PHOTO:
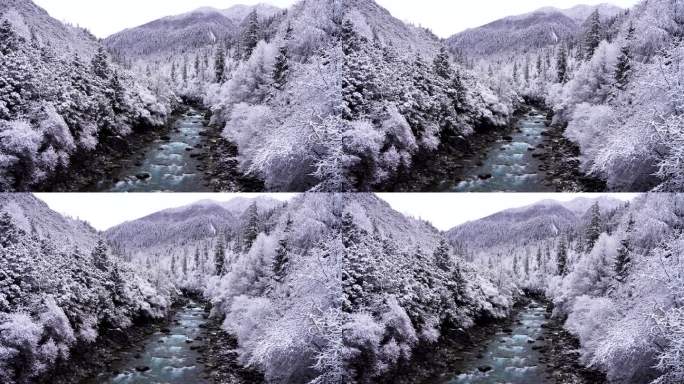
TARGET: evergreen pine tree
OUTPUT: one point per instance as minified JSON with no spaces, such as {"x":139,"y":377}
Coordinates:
{"x":173,"y":72}
{"x":623,"y":259}
{"x":220,"y":258}
{"x":10,"y":41}
{"x":441,"y":64}
{"x":562,"y":65}
{"x":252,"y":34}
{"x":281,"y":260}
{"x":562,"y":257}
{"x":281,"y":69}
{"x":100,"y":257}
{"x":623,"y":68}
{"x":9,"y":232}
{"x":515,"y":72}
{"x":100,"y":64}
{"x":173,"y":265}
{"x":443,"y":256}
{"x":593,"y":35}
{"x":516,"y":270}
{"x":526,"y":264}
{"x":184,"y":264}
{"x":220,"y":64}
{"x":252,"y":229}
{"x":594,"y":229}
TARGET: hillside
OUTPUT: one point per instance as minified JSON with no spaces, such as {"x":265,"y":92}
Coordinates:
{"x":33,"y":216}
{"x":528,"y":225}
{"x":31,"y":21}
{"x":528,"y":32}
{"x":184,"y":33}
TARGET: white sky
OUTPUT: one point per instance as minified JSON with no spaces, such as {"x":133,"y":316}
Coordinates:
{"x":444,"y":210}
{"x":444,"y":17}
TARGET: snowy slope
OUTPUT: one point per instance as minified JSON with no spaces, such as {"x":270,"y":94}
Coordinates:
{"x":582,"y":12}
{"x":375,"y":22}
{"x":180,"y":33}
{"x":181,"y":226}
{"x":32,"y":214}
{"x":541,"y":221}
{"x":28,"y":18}
{"x":527,"y":32}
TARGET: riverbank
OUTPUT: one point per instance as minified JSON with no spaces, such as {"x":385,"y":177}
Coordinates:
{"x":87,"y":170}
{"x":221,"y":166}
{"x":115,"y":350}
{"x":455,"y":352}
{"x":553,"y":159}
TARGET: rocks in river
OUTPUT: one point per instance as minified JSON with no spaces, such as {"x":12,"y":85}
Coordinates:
{"x":143,"y":176}
{"x":165,"y":138}
{"x":507,"y":330}
{"x":486,"y":176}
{"x":484,"y":368}
{"x":165,"y":330}
{"x":142,"y":368}
{"x":508,"y":138}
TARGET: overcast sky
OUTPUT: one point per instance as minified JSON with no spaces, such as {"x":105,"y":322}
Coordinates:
{"x":444,"y":210}
{"x":444,"y":17}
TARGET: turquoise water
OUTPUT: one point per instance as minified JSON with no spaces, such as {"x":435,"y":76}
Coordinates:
{"x":510,"y":166}
{"x":167,"y":358}
{"x":510,"y":357}
{"x":169,"y":165}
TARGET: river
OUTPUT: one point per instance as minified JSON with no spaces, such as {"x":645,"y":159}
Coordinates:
{"x":511,"y":164}
{"x":170,"y":356}
{"x":169,"y":164}
{"x":512,"y":355}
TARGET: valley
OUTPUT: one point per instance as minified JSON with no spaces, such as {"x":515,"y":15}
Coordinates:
{"x":342,"y":288}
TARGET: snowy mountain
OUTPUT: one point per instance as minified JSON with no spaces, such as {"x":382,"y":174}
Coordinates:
{"x":200,"y":28}
{"x":175,"y":33}
{"x":527,"y":32}
{"x":582,"y":12}
{"x":239,"y":12}
{"x":519,"y":226}
{"x":34,"y":216}
{"x":30,"y":20}
{"x":185,"y":225}
{"x":376,"y":23}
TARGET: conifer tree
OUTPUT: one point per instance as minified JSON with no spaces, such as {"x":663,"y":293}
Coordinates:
{"x":220,"y":258}
{"x":441,"y":64}
{"x":252,"y":34}
{"x":100,"y":257}
{"x":281,"y":261}
{"x":252,"y":229}
{"x":562,"y":65}
{"x":623,"y":259}
{"x":443,"y":256}
{"x":281,"y":69}
{"x":623,"y":68}
{"x":220,"y":64}
{"x":593,"y":35}
{"x":10,"y":41}
{"x":562,"y":257}
{"x":100,"y":64}
{"x":594,"y":229}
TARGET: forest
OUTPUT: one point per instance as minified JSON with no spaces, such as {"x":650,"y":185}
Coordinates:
{"x":332,"y":288}
{"x":341,"y":96}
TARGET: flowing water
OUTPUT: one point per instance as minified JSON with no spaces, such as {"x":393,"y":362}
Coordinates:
{"x":510,"y":165}
{"x":169,"y":357}
{"x":169,"y":164}
{"x":511,"y":357}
